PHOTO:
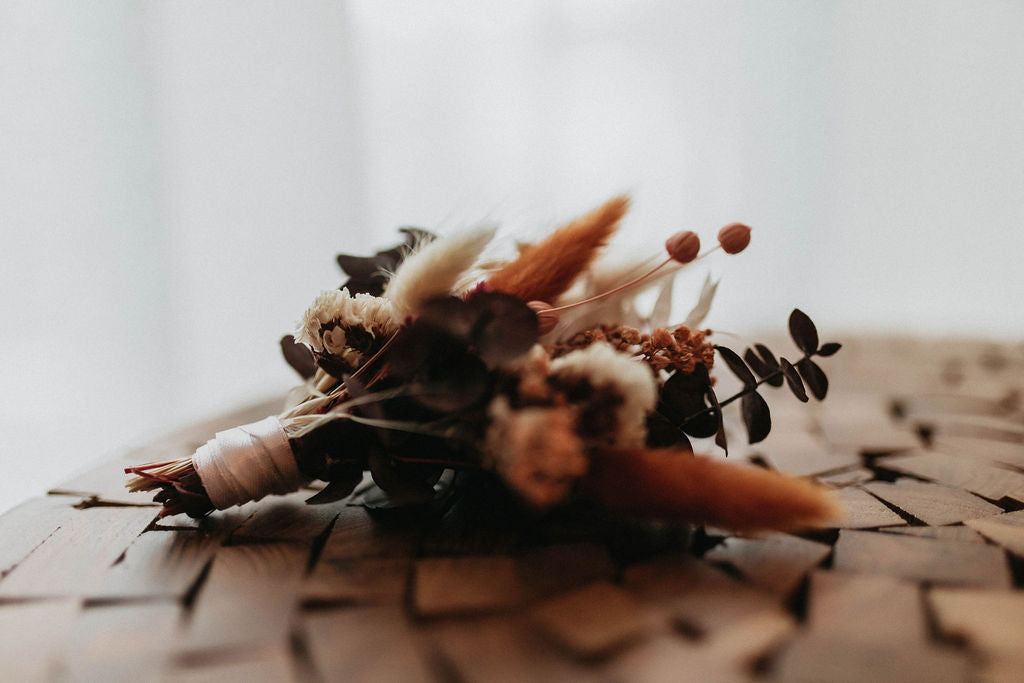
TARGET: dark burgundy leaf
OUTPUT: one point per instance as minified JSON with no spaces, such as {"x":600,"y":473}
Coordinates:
{"x":506,"y":327}
{"x":829,"y":349}
{"x":738,"y":367}
{"x":720,"y":429}
{"x":662,"y":433}
{"x":402,"y":490}
{"x":803,"y":331}
{"x":768,"y":356}
{"x":756,"y":416}
{"x":368,"y":274}
{"x":814,"y":376}
{"x":755,"y":363}
{"x":298,"y":356}
{"x":337,"y":488}
{"x":682,"y":396}
{"x":796,"y":385}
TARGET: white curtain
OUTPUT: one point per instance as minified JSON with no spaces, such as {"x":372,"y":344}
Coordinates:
{"x":177,"y":176}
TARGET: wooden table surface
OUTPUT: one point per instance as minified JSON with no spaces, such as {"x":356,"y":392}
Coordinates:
{"x":923,"y":442}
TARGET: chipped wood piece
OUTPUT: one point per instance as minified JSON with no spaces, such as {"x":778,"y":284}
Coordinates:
{"x":359,"y":580}
{"x":1007,"y":530}
{"x":249,"y":596}
{"x":803,"y":454}
{"x":974,"y":475}
{"x":740,"y":644}
{"x":356,"y":534}
{"x":593,"y":620}
{"x":465,"y":585}
{"x":123,"y":641}
{"x":866,"y":608}
{"x":270,"y":664}
{"x":158,"y":564}
{"x":546,"y":570}
{"x":25,"y":527}
{"x":813,"y":658}
{"x":942,"y":533}
{"x":34,"y":637}
{"x":503,"y":649}
{"x":777,"y":562}
{"x":849,"y":477}
{"x":990,"y":620}
{"x":933,"y":504}
{"x":921,"y":559}
{"x":864,"y":511}
{"x":287,"y":518}
{"x":75,"y":557}
{"x":365,"y":644}
{"x":991,"y":450}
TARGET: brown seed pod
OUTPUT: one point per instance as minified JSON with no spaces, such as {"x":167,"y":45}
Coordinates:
{"x":734,"y":238}
{"x":683,"y":246}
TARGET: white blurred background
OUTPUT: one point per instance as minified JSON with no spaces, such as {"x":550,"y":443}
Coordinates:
{"x":176,"y":177}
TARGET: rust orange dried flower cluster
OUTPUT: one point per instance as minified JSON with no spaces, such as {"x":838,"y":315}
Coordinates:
{"x":663,"y":349}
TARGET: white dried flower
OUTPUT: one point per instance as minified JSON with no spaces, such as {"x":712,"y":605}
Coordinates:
{"x":535,"y":450}
{"x":607,"y":369}
{"x":373,"y":313}
{"x":334,"y":340}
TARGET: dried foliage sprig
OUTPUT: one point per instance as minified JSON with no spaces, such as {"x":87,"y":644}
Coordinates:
{"x":412,"y":377}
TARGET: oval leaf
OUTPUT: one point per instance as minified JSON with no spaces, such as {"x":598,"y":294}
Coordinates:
{"x":772,"y":363}
{"x":796,"y":385}
{"x":756,"y":416}
{"x":738,"y":367}
{"x":298,"y":356}
{"x":814,"y":376}
{"x":829,"y":348}
{"x":803,"y":331}
{"x":720,"y":431}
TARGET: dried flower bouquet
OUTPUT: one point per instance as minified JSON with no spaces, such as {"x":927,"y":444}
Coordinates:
{"x":430,"y":364}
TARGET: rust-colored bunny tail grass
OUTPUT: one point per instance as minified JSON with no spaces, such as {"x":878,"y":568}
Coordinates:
{"x":545,"y":270}
{"x":674,"y":485}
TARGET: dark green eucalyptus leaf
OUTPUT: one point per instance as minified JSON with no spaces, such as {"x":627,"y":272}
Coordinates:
{"x":803,"y":331}
{"x":756,"y":416}
{"x":814,"y":377}
{"x":738,"y":367}
{"x":796,"y":385}
{"x":829,"y":349}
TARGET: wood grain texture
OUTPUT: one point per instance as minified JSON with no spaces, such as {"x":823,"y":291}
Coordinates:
{"x":990,"y":481}
{"x":922,"y":559}
{"x":1006,"y":530}
{"x":25,"y":527}
{"x":778,"y":562}
{"x":931,"y":503}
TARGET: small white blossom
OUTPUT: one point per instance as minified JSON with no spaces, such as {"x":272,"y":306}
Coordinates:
{"x":372,"y":313}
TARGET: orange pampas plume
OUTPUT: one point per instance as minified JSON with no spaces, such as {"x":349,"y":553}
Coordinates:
{"x":674,"y":485}
{"x":545,"y":270}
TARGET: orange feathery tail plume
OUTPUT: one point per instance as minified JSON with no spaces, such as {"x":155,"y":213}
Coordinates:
{"x":673,"y":485}
{"x":545,"y":270}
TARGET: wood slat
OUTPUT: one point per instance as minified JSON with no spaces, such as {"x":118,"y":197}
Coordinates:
{"x":359,"y":580}
{"x":864,"y":511}
{"x":593,"y":620}
{"x":973,"y":475}
{"x":365,"y":644}
{"x":921,"y":559}
{"x":34,"y":638}
{"x":803,"y":454}
{"x":466,"y":585}
{"x":942,"y":533}
{"x":1006,"y":530}
{"x":866,"y":608}
{"x":25,"y":527}
{"x":249,"y":597}
{"x":813,"y":659}
{"x":158,"y":564}
{"x":287,"y":518}
{"x":932,"y":503}
{"x":991,"y":621}
{"x":778,"y":562}
{"x":73,"y":560}
{"x":127,"y":641}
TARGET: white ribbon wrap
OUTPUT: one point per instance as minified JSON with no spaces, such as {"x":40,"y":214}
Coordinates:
{"x":247,"y":463}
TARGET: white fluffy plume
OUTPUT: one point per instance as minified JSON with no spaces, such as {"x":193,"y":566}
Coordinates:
{"x":435,"y":269}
